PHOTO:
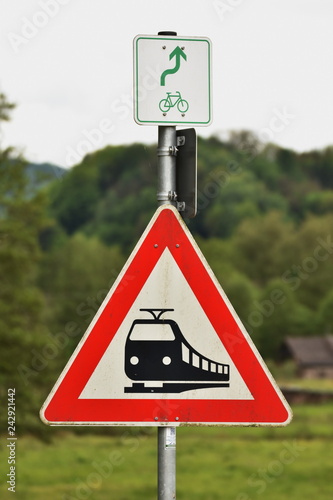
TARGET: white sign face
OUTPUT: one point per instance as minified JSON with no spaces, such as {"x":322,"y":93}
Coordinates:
{"x":172,"y":80}
{"x":109,"y":380}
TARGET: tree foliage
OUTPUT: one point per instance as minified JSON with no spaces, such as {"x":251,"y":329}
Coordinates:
{"x":264,"y":224}
{"x":22,"y":330}
{"x":262,"y":212}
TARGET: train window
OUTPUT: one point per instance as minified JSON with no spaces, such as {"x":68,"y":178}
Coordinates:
{"x":204,"y":364}
{"x":185,"y":353}
{"x":195,"y":360}
{"x":213,"y":367}
{"x":152,"y":331}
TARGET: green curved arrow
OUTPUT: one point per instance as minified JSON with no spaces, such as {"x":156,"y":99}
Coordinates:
{"x":177,"y":53}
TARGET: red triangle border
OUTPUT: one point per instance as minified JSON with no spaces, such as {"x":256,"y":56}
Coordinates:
{"x":166,"y":230}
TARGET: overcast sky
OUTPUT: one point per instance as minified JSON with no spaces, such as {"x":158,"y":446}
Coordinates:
{"x":68,"y":66}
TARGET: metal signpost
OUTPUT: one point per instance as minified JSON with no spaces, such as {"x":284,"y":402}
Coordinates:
{"x":161,"y":352}
{"x":175,"y":108}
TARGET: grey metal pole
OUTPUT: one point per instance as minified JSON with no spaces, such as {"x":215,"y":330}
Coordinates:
{"x":166,"y":463}
{"x":166,"y":167}
{"x":166,"y":194}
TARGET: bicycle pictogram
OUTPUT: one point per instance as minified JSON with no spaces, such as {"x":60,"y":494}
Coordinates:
{"x":173,"y":100}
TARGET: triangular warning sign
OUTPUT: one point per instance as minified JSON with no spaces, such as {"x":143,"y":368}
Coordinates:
{"x":166,"y":347}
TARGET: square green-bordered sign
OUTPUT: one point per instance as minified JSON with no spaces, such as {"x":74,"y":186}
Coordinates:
{"x":172,"y":80}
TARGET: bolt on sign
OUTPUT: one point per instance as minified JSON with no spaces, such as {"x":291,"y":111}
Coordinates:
{"x":172,"y":80}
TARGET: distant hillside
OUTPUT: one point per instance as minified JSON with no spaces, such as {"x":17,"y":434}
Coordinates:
{"x":112,"y":193}
{"x":40,"y":174}
{"x":264,"y":224}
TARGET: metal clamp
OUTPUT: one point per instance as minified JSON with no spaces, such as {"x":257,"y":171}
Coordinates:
{"x":172,"y":195}
{"x":167,"y":196}
{"x":167,"y":151}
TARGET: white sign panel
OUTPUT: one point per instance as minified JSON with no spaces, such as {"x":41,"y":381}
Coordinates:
{"x":172,"y":80}
{"x":109,"y":380}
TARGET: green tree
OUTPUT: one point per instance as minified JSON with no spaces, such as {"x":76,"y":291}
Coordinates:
{"x":273,"y":317}
{"x":311,"y":272}
{"x":319,"y":166}
{"x":74,"y":198}
{"x":75,"y":278}
{"x":5,"y":108}
{"x":22,"y":218}
{"x":319,"y":202}
{"x":325,"y":314}
{"x":101,"y":195}
{"x":263,"y":247}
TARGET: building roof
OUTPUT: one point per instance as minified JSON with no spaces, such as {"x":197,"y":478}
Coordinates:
{"x":310,"y":351}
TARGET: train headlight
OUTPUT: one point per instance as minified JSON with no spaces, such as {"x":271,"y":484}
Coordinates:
{"x":166,"y":360}
{"x":134,"y":360}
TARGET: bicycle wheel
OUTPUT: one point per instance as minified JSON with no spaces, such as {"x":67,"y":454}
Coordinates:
{"x":182,"y":106}
{"x":164,"y":105}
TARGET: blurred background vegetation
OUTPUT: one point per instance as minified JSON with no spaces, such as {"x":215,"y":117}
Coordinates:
{"x":265,"y":216}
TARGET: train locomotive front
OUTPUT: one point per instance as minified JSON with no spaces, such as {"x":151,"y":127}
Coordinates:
{"x":156,"y":350}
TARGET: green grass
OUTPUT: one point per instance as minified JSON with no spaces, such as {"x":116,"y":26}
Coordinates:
{"x":215,"y":463}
